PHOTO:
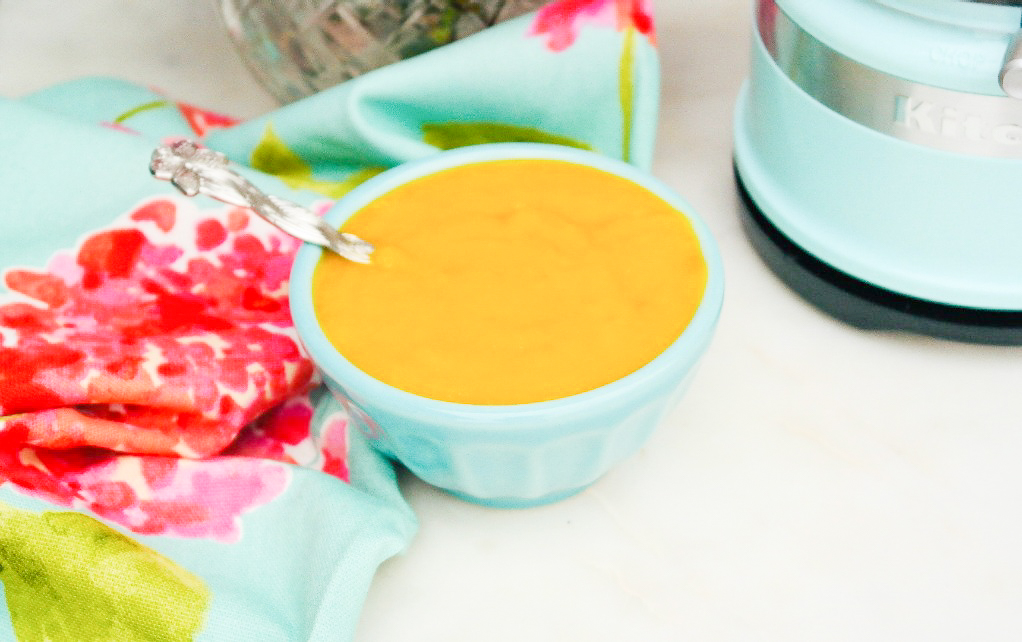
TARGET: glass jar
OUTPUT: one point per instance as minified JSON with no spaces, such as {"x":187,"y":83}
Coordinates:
{"x":298,"y":47}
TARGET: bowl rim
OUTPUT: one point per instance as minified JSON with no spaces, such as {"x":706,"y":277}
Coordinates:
{"x":682,"y":354}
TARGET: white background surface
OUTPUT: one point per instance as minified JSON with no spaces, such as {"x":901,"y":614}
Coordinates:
{"x":818,"y":482}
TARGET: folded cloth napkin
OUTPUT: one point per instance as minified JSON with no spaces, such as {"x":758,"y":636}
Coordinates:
{"x":170,"y":467}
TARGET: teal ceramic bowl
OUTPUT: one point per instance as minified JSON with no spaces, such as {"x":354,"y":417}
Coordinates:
{"x":510,"y":455}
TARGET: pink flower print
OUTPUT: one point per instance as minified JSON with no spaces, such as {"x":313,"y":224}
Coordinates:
{"x":168,"y":496}
{"x":335,"y":448}
{"x":153,"y":375}
{"x":124,"y":129}
{"x":162,"y":348}
{"x":284,"y":435}
{"x":149,"y":495}
{"x":560,"y":21}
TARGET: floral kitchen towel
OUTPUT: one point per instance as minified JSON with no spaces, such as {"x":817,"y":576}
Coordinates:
{"x":170,"y":467}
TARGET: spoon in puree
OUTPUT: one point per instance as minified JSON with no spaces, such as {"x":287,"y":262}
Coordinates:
{"x":197,"y":170}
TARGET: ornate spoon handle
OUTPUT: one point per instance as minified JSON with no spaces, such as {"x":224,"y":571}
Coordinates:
{"x":196,"y":170}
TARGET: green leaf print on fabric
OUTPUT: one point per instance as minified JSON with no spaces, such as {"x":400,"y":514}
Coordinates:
{"x":273,"y":156}
{"x":452,"y":135}
{"x":155,"y":104}
{"x":560,"y":23}
{"x":626,"y":93}
{"x":69,"y":577}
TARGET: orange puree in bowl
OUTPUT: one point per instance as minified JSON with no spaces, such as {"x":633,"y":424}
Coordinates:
{"x":511,"y":281}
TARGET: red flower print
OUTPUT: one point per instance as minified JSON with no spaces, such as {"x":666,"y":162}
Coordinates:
{"x":203,"y":120}
{"x":284,"y":435}
{"x":199,"y":120}
{"x":172,"y":340}
{"x":164,"y":337}
{"x":560,"y":20}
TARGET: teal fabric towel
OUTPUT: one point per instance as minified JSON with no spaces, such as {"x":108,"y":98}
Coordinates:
{"x":170,"y":466}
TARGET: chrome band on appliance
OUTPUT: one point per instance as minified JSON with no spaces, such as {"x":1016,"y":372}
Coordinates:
{"x":954,"y":121}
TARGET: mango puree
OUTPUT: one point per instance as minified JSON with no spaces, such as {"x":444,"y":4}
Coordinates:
{"x":508,"y":282}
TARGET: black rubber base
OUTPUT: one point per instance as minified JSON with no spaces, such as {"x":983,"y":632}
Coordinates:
{"x":867,"y":306}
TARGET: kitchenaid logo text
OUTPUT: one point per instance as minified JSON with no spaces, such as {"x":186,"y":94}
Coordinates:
{"x":953,"y":123}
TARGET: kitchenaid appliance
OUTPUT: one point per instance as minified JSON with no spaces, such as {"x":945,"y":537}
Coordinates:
{"x":878,"y":146}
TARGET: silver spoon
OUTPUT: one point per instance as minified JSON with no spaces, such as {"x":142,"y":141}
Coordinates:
{"x":197,"y":170}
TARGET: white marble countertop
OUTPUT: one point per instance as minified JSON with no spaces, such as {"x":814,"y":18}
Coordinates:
{"x":817,"y":483}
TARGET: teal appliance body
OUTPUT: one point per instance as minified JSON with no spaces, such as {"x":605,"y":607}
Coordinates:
{"x":878,"y":147}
